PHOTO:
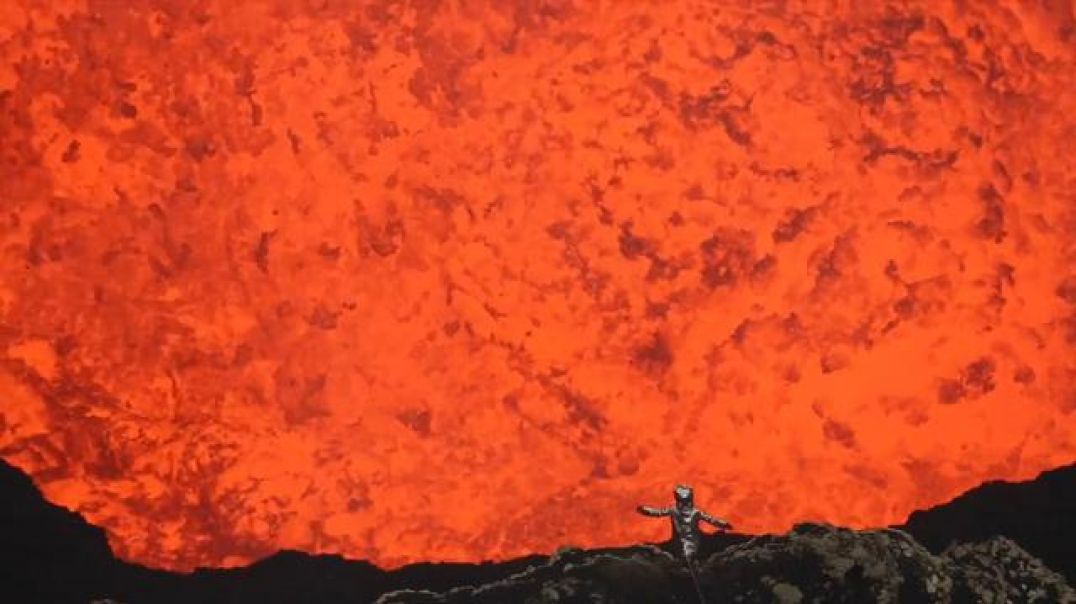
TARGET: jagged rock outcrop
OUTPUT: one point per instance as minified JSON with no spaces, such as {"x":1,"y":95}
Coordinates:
{"x":48,"y":551}
{"x":1037,"y":514}
{"x":813,"y":563}
{"x":49,"y":554}
{"x":999,"y":570}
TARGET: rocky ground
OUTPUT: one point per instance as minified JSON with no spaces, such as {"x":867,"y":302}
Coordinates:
{"x":812,"y":563}
{"x":49,"y":554}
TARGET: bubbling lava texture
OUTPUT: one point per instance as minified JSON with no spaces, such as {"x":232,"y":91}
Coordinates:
{"x":457,"y":280}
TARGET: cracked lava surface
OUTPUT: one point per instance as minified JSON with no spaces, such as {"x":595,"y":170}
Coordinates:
{"x":434,"y":280}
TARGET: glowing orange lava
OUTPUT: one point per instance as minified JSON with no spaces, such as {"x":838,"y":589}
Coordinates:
{"x":469,"y":279}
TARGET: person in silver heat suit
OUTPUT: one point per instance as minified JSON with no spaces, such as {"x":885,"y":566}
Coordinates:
{"x":685,"y":521}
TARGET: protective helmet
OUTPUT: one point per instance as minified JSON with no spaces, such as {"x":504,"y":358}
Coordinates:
{"x":683,"y":493}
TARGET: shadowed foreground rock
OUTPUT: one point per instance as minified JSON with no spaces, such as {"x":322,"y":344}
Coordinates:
{"x":49,"y":554}
{"x":1039,"y":515}
{"x":813,"y":563}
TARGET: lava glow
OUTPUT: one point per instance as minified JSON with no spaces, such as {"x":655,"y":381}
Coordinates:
{"x":455,"y":280}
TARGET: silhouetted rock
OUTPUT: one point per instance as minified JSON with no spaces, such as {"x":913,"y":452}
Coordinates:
{"x":46,"y":550}
{"x":49,"y":554}
{"x":1039,"y":515}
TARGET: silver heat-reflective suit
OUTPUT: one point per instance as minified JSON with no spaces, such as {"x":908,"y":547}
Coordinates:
{"x":685,"y":519}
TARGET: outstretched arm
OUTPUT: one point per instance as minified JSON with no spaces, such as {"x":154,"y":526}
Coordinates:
{"x":719,"y":523}
{"x":649,"y":511}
